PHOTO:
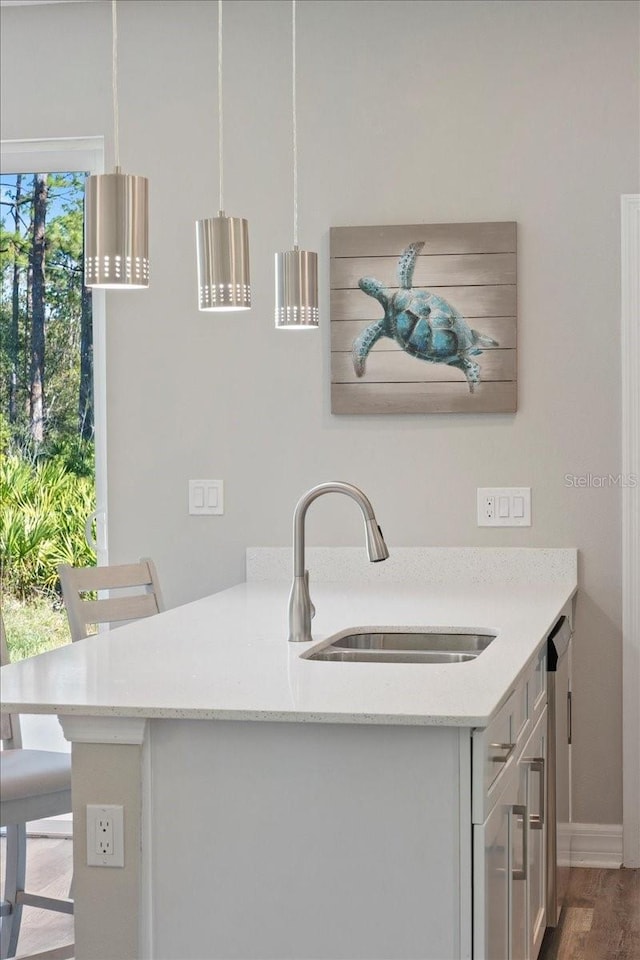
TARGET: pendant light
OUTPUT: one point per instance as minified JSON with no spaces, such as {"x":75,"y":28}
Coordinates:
{"x":116,"y":222}
{"x":296,"y":270}
{"x":222,"y":242}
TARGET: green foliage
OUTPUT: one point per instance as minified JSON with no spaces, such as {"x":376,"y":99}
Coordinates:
{"x":76,"y":454}
{"x":63,"y":306}
{"x":46,"y":488}
{"x":45,"y":506}
{"x":34,"y":627}
{"x":5,"y":435}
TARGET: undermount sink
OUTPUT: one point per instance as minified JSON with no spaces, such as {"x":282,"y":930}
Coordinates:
{"x":415,"y":640}
{"x":403,"y":646}
{"x":390,"y":656}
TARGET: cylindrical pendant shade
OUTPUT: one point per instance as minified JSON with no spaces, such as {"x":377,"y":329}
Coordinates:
{"x":223,"y":263}
{"x":116,"y":231}
{"x":297,"y":290}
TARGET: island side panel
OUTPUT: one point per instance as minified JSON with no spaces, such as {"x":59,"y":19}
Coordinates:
{"x":298,"y":841}
{"x":107,"y":900}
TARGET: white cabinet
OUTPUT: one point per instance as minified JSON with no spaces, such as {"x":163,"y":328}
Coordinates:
{"x":562,"y":808}
{"x":519,"y":867}
{"x":491,"y":883}
{"x":534,"y":757}
{"x":509,"y":769}
{"x":500,"y":874}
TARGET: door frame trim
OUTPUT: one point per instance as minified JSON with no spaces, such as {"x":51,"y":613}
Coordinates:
{"x":630,"y":347}
{"x":58,"y":156}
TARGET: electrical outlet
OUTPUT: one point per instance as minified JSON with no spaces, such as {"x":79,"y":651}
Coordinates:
{"x":105,"y":835}
{"x":504,"y":506}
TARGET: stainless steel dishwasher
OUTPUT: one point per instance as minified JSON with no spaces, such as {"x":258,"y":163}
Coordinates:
{"x":558,"y":766}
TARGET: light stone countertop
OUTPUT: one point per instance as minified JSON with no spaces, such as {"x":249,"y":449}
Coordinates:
{"x":227,"y":656}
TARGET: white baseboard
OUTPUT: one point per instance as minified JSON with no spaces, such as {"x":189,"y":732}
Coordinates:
{"x":591,"y":844}
{"x":596,"y":845}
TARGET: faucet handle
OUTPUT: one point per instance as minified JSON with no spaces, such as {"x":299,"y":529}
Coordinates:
{"x":311,"y":606}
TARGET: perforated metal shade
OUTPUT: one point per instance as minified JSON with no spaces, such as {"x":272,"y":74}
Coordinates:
{"x":297,"y":290}
{"x":223,"y":263}
{"x":116,"y":231}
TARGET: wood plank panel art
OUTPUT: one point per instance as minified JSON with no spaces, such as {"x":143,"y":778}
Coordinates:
{"x":476,"y":301}
{"x":501,"y":329}
{"x":422,"y":398}
{"x":430,"y":271}
{"x":394,"y":366}
{"x":443,"y":238}
{"x":423,"y":319}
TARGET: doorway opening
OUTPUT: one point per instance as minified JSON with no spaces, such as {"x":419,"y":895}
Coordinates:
{"x":52,"y":374}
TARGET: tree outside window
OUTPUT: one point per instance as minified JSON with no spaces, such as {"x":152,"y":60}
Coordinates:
{"x":46,"y":401}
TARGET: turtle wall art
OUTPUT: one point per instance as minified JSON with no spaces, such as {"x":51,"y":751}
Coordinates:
{"x":423,"y":318}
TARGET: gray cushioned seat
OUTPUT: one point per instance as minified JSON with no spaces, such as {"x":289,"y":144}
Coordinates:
{"x":35,"y":780}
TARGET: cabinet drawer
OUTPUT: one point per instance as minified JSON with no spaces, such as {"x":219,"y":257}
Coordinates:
{"x":493,"y":753}
{"x":496,"y":747}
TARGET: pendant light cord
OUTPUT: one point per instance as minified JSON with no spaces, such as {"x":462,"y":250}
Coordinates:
{"x":114,"y":84}
{"x":221,"y":206}
{"x":294,"y":126}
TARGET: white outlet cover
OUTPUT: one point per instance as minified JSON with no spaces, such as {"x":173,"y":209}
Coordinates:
{"x":115,"y":814}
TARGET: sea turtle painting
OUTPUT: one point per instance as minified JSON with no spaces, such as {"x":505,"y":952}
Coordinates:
{"x":424,"y":325}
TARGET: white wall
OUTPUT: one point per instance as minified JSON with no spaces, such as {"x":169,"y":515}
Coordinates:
{"x":408,"y":112}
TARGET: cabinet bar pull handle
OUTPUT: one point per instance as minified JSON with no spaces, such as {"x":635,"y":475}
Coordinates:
{"x":520,"y":810}
{"x":536,"y":765}
{"x":569,"y":717}
{"x":509,"y":747}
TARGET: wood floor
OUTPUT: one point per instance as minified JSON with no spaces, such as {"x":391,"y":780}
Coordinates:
{"x":600,"y":920}
{"x":49,"y":870}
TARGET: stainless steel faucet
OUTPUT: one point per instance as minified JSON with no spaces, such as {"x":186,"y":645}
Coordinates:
{"x":301,"y":610}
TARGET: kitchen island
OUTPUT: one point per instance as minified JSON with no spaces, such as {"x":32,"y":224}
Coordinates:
{"x":280,"y":807}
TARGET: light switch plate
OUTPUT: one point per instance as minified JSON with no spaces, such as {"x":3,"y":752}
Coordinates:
{"x":504,"y":506}
{"x":206,"y":497}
